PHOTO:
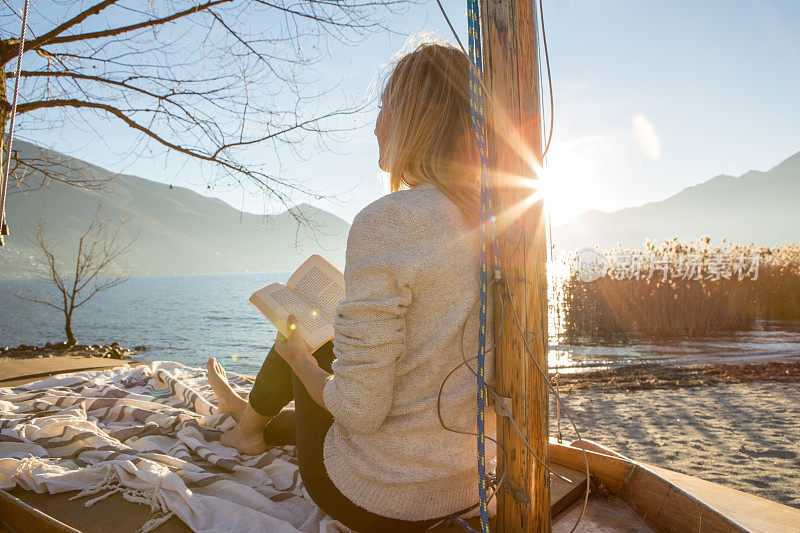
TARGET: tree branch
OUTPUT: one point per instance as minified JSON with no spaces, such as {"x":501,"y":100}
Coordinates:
{"x":124,"y":29}
{"x":74,"y":21}
{"x":55,"y":103}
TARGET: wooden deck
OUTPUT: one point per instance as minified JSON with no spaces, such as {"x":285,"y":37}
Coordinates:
{"x":25,"y":510}
{"x":20,"y":370}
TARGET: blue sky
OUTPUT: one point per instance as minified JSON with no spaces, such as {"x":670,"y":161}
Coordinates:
{"x":650,"y":97}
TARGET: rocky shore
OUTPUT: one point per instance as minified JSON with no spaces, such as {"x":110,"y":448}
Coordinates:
{"x":60,"y":349}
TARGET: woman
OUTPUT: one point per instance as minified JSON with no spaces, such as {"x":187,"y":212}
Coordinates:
{"x":372,"y":450}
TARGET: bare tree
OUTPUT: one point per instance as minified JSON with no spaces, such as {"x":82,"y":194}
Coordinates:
{"x":77,"y":279}
{"x":206,"y":79}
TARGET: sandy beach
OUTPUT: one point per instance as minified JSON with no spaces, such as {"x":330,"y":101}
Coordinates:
{"x":741,"y":431}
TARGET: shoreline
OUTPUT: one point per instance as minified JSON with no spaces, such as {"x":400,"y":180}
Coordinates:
{"x":64,"y":349}
{"x":630,"y":377}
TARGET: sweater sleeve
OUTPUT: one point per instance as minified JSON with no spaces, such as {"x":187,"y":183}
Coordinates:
{"x":369,"y":322}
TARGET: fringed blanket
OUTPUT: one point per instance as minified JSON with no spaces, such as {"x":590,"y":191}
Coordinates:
{"x":151,"y":434}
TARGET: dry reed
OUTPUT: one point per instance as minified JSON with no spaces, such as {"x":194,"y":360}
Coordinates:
{"x":655,"y":292}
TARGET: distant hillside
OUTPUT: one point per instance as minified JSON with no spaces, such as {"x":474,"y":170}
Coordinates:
{"x":758,"y":207}
{"x":180,"y":231}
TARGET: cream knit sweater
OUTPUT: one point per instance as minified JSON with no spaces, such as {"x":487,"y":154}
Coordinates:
{"x":412,"y":280}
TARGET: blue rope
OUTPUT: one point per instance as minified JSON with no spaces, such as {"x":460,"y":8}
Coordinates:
{"x":488,"y":226}
{"x":478,"y":116}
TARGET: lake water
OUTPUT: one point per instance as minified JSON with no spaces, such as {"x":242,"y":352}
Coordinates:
{"x":191,"y":318}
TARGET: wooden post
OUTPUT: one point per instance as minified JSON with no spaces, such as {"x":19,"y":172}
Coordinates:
{"x":515,"y":147}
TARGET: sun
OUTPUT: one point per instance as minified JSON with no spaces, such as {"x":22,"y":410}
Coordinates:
{"x":557,"y":185}
{"x":567,"y":184}
{"x":536,"y":186}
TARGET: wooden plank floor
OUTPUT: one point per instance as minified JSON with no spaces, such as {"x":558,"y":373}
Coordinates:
{"x":111,"y":514}
{"x":563,"y":494}
{"x":20,"y":370}
{"x":118,"y":515}
{"x":604,"y":514}
{"x":115,"y":513}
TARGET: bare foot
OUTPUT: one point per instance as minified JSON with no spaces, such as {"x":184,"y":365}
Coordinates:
{"x":250,"y":444}
{"x":228,"y":401}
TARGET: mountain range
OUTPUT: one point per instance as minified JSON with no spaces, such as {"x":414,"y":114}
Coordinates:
{"x":183,"y":232}
{"x":757,"y":207}
{"x":179,"y":231}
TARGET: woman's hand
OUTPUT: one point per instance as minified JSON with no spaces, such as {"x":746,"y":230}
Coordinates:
{"x":297,"y":355}
{"x":293,"y":349}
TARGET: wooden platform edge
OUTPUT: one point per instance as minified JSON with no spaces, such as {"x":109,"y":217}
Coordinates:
{"x":21,"y":371}
{"x":746,"y":512}
{"x":699,"y":505}
{"x":29,"y":378}
{"x":19,"y":516}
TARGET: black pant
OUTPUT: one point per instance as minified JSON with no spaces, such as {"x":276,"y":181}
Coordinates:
{"x":275,"y":386}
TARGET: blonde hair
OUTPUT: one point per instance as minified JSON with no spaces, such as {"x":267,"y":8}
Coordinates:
{"x":431,"y":138}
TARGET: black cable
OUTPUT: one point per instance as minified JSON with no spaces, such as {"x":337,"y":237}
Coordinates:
{"x":447,"y":19}
{"x":549,"y":81}
{"x":550,"y":386}
{"x":547,"y":62}
{"x":465,"y":362}
{"x":498,"y":400}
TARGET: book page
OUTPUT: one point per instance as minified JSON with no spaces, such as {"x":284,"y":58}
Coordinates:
{"x":277,"y":302}
{"x":319,"y":283}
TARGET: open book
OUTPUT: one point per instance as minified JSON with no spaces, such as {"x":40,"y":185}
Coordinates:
{"x":311,"y":294}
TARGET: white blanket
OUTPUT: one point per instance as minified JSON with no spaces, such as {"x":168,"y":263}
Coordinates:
{"x":151,"y":434}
